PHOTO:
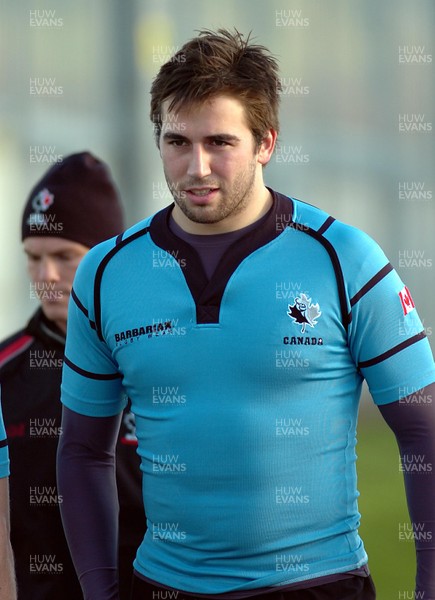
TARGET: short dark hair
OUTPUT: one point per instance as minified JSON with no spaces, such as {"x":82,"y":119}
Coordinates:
{"x":215,"y":63}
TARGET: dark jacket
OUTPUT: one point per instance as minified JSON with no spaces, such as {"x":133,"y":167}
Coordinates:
{"x":30,"y":377}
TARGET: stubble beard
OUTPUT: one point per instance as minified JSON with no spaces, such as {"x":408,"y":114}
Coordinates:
{"x":233,"y":201}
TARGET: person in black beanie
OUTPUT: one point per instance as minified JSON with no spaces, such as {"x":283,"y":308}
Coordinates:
{"x":73,"y":207}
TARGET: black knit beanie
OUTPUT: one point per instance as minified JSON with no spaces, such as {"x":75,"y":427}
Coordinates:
{"x":77,"y":200}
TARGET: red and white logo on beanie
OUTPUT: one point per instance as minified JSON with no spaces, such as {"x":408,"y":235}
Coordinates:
{"x":40,"y":203}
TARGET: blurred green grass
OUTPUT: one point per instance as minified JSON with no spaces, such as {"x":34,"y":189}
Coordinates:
{"x":382,"y":505}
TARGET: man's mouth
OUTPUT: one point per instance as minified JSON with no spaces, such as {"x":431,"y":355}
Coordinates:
{"x":202,"y":195}
{"x":201,"y":191}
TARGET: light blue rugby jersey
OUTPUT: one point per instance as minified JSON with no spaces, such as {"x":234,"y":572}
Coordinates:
{"x":4,"y":454}
{"x":245,"y":389}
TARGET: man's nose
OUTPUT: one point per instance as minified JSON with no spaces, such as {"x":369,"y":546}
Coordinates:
{"x":48,"y":270}
{"x":199,"y":162}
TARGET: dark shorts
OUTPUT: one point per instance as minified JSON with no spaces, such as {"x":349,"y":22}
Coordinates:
{"x":356,"y":588}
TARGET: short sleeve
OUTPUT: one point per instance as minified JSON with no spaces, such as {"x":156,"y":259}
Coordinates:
{"x":386,"y":336}
{"x":91,"y":381}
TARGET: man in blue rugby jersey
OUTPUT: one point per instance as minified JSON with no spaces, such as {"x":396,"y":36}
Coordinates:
{"x":247,"y":453}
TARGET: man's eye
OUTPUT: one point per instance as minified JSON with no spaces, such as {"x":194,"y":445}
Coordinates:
{"x":177,"y":143}
{"x":219,"y":143}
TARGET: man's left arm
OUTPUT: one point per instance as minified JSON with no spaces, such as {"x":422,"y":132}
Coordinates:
{"x":412,"y":419}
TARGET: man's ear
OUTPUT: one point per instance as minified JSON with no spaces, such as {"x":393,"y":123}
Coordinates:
{"x":267,"y":147}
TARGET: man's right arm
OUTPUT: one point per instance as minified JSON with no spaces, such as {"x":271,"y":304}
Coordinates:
{"x":89,"y":507}
{"x":93,"y":401}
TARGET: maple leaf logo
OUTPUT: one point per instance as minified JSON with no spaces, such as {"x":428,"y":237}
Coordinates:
{"x":304,"y":312}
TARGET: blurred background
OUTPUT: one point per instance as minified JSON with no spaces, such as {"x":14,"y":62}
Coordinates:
{"x":356,"y":140}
